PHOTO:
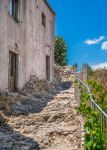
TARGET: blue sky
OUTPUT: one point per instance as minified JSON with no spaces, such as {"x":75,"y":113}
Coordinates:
{"x":83,"y":25}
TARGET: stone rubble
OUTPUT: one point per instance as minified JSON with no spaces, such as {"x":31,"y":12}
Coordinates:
{"x":7,"y":100}
{"x":44,"y":118}
{"x":37,"y":87}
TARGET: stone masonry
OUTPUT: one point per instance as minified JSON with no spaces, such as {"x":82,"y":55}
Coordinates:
{"x":27,"y":38}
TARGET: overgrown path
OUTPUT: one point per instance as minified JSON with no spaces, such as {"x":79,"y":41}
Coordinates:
{"x":56,"y":127}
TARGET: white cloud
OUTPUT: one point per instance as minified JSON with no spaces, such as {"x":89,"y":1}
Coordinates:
{"x":101,"y":65}
{"x":94,"y":41}
{"x":104,"y":45}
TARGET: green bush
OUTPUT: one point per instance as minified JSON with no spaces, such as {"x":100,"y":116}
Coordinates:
{"x":60,"y":51}
{"x":99,"y":94}
{"x":94,"y":137}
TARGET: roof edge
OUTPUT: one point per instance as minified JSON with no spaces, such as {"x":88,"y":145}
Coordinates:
{"x":46,"y":2}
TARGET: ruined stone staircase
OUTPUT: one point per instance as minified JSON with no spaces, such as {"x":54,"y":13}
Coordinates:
{"x":56,"y":127}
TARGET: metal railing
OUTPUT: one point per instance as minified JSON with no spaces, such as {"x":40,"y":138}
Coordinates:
{"x":102,"y":115}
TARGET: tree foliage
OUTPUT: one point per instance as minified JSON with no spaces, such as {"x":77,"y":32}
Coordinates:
{"x":60,"y":51}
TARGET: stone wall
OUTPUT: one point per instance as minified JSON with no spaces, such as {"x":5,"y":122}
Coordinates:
{"x":28,"y":38}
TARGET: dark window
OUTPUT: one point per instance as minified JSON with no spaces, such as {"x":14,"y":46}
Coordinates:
{"x":43,"y":20}
{"x":13,"y":71}
{"x":12,"y":61}
{"x":48,"y":68}
{"x":14,"y":9}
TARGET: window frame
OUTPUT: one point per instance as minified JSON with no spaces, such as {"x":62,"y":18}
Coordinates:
{"x":43,"y":17}
{"x":14,"y":9}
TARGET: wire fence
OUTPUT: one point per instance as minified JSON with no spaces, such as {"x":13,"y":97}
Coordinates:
{"x":102,"y":115}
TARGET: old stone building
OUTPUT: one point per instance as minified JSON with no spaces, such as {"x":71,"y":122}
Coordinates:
{"x":26,"y":42}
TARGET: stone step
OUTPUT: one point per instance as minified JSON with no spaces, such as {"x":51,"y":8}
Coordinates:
{"x":63,"y":146}
{"x":70,"y":91}
{"x":64,"y":97}
{"x":55,"y":127}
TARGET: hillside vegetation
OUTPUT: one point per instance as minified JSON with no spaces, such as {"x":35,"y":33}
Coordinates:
{"x":100,"y":76}
{"x":97,"y":82}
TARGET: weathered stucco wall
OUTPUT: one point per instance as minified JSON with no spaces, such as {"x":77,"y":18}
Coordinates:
{"x":32,"y":38}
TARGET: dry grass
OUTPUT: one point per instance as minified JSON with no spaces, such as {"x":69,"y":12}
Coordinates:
{"x":100,"y":76}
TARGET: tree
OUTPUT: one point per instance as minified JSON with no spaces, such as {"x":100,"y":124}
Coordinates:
{"x":60,"y":51}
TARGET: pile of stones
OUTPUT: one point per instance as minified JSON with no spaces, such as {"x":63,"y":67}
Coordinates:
{"x":36,"y":86}
{"x":8,"y":100}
